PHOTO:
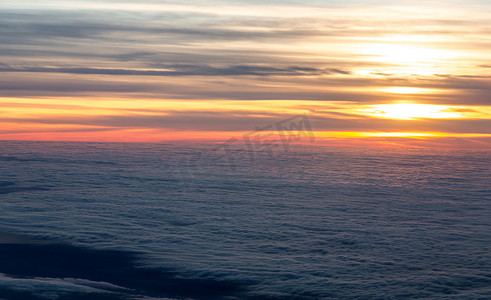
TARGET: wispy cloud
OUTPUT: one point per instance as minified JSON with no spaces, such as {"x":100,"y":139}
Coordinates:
{"x":184,"y":70}
{"x":349,"y":53}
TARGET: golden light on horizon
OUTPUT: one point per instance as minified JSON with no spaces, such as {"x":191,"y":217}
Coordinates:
{"x":401,"y":134}
{"x":395,"y":134}
{"x":406,"y":90}
{"x":349,"y":134}
{"x":409,"y":111}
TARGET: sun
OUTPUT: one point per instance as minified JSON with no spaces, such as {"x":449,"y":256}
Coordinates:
{"x":409,"y":111}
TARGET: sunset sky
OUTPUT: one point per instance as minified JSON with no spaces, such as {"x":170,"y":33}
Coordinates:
{"x":364,"y":72}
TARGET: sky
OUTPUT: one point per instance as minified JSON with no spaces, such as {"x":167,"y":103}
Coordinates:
{"x":384,"y":73}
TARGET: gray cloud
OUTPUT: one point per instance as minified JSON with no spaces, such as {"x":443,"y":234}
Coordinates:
{"x":461,"y":91}
{"x":184,"y":70}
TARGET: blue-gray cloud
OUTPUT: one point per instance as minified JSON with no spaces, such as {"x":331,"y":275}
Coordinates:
{"x":184,"y":70}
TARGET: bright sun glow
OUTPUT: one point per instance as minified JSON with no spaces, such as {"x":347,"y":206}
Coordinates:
{"x":402,"y":53}
{"x":408,"y":58}
{"x":408,"y":111}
